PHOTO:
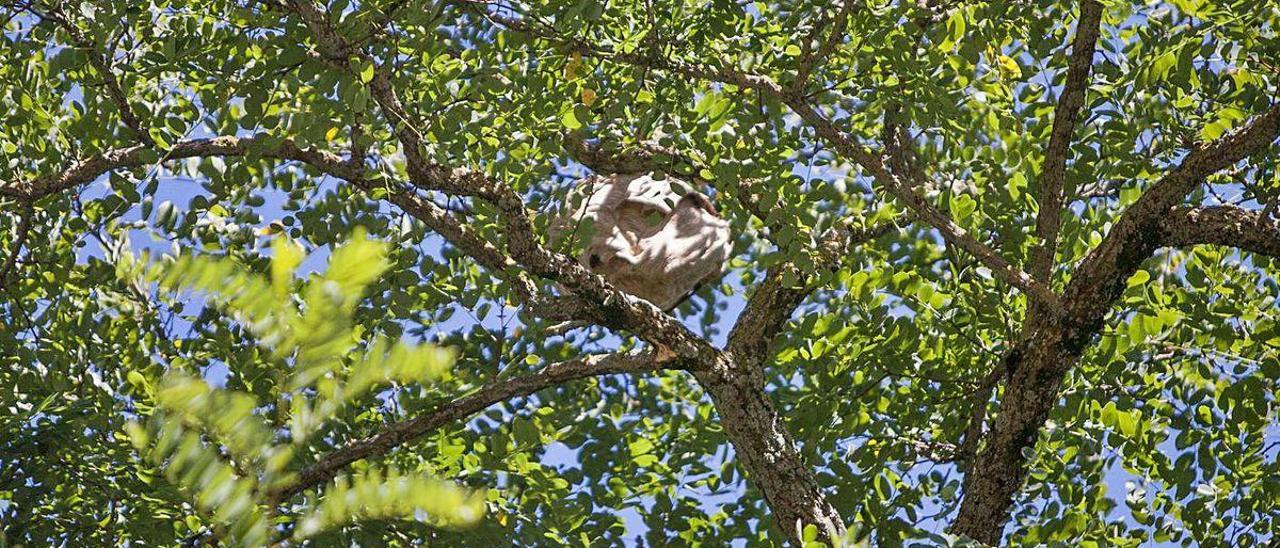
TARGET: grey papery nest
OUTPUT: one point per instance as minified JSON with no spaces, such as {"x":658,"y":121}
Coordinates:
{"x":657,"y":239}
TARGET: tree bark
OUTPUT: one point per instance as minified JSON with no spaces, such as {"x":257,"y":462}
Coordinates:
{"x":1047,"y":349}
{"x":1065,"y":116}
{"x":1034,"y":375}
{"x":769,"y":454}
{"x":1252,"y":231}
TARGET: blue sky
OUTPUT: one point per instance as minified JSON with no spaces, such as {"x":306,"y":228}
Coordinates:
{"x":180,"y":190}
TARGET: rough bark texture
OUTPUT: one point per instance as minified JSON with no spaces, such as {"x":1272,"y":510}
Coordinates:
{"x":1031,"y":392}
{"x":765,"y":449}
{"x":1221,"y":225}
{"x":761,"y":440}
{"x":1036,"y":368}
{"x":1054,"y":170}
{"x":736,"y":385}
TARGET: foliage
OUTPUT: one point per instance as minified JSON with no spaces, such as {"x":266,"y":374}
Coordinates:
{"x":133,"y":415}
{"x":228,"y":450}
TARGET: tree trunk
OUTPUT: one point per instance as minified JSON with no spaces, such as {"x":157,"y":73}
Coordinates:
{"x":1048,"y":348}
{"x":767,"y":451}
{"x":1034,"y":375}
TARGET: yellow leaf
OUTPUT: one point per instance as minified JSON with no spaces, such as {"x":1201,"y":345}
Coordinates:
{"x":588,"y":96}
{"x":1008,"y":67}
{"x":571,"y":68}
{"x":329,"y":135}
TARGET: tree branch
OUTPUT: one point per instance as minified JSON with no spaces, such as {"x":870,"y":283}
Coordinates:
{"x":1100,"y":277}
{"x":1230,"y":226}
{"x":899,"y":153}
{"x":400,"y":433}
{"x":978,"y":418}
{"x":734,"y":380}
{"x":907,"y":190}
{"x":641,"y":158}
{"x":264,"y":146}
{"x":614,"y":309}
{"x":101,"y":64}
{"x":22,"y":231}
{"x":609,"y":307}
{"x":1065,"y":116}
{"x":86,"y":170}
{"x":767,"y":451}
{"x":773,"y":301}
{"x":812,"y":59}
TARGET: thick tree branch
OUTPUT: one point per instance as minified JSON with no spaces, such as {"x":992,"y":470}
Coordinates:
{"x":766,"y":450}
{"x":1230,"y":226}
{"x":1054,"y":170}
{"x":400,"y":433}
{"x":773,"y":302}
{"x":766,"y":313}
{"x":735,"y":380}
{"x":1101,"y":275}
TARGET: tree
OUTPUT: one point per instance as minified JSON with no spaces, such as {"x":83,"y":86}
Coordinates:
{"x":1003,"y":270}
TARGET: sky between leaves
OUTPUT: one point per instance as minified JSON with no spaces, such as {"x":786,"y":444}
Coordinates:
{"x":1167,"y":427}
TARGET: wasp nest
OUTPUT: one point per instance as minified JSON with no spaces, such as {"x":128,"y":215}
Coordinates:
{"x":656,"y":239}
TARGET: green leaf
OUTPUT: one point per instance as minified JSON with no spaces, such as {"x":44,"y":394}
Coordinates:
{"x":1223,"y":121}
{"x":570,"y":119}
{"x":955,"y":29}
{"x":963,"y":207}
{"x":640,"y":446}
{"x":526,"y":434}
{"x":1139,"y":278}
